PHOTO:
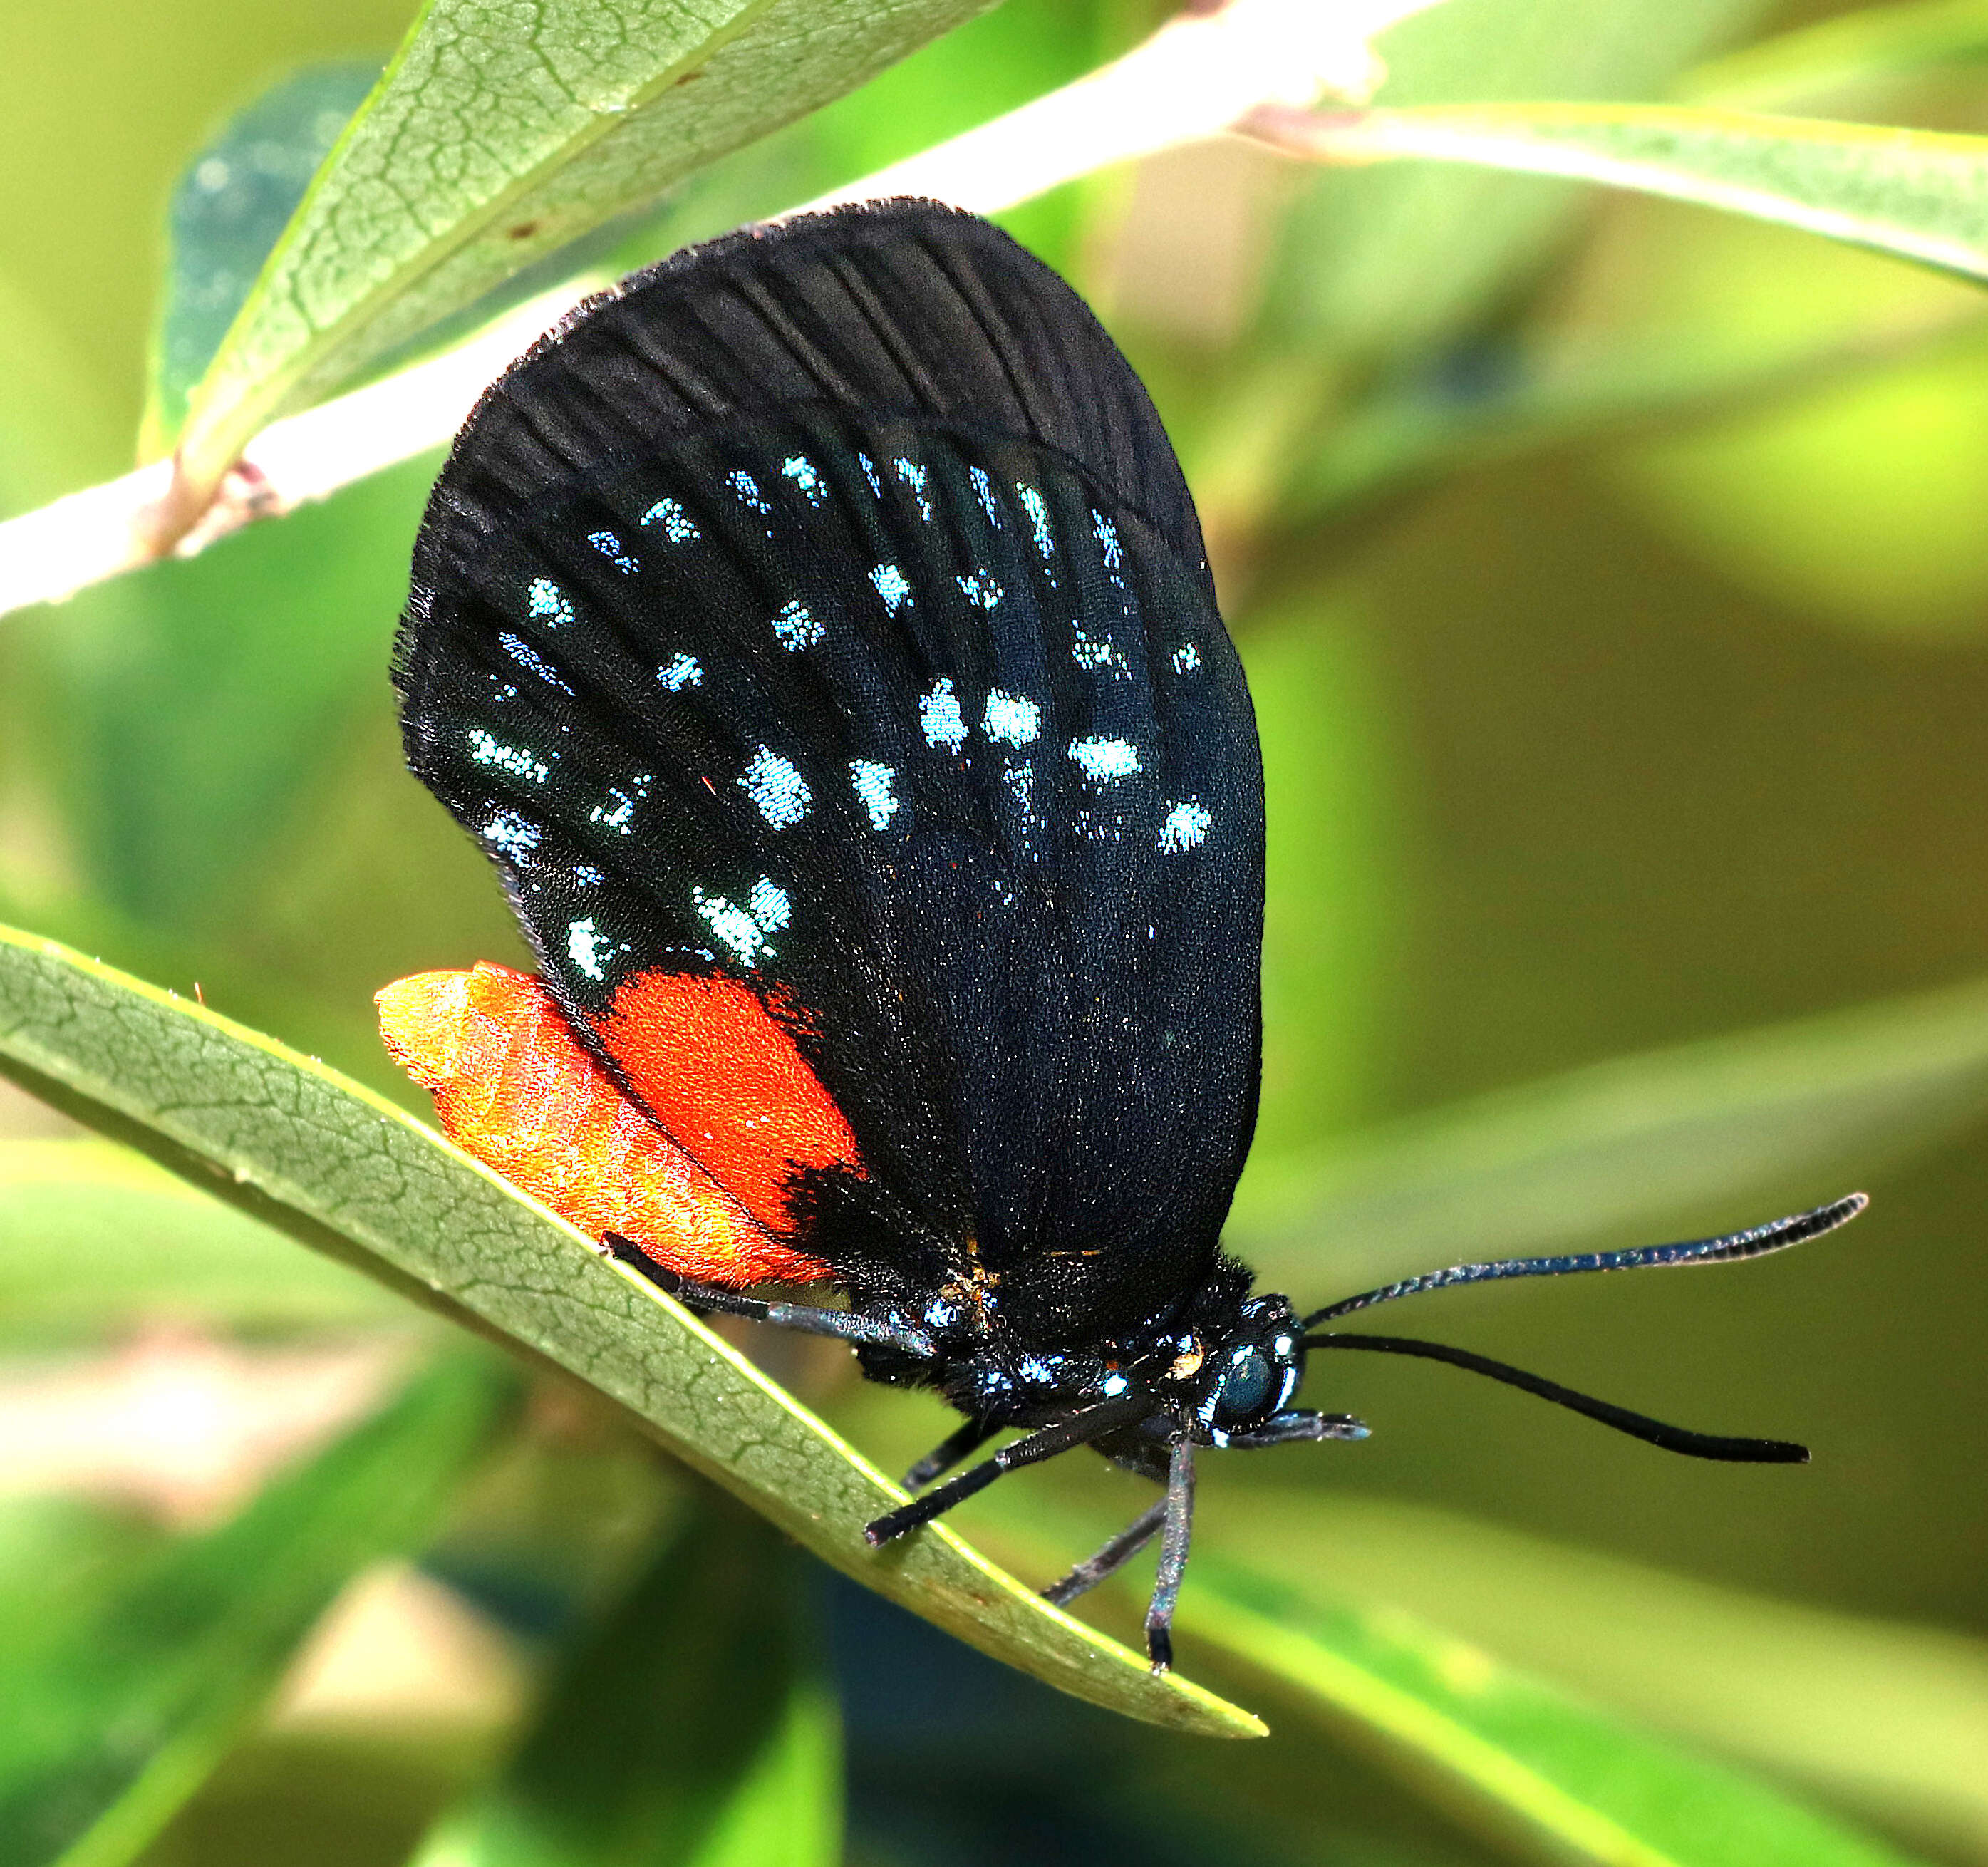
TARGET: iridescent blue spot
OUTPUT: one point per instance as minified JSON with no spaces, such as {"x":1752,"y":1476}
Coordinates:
{"x":892,"y":587}
{"x":487,"y":750}
{"x":1103,"y":760}
{"x":980,"y":589}
{"x":1094,"y":654}
{"x":511,"y":835}
{"x":744,"y":930}
{"x":939,"y":714}
{"x":984,"y":491}
{"x":1187,"y":658}
{"x":1011,"y":719}
{"x":799,"y":468}
{"x":1037,"y":508}
{"x":587,"y":875}
{"x":772,"y":907}
{"x":675,"y":521}
{"x":588,"y":948}
{"x":610,"y":547}
{"x":776,"y":786}
{"x":1186,"y":827}
{"x":617,"y":814}
{"x":797,"y":627}
{"x":869,"y":474}
{"x":874,"y":783}
{"x":1106,"y":535}
{"x":914,"y":476}
{"x":550,"y":601}
{"x":526,"y":656}
{"x":748,"y":489}
{"x":681,"y":670}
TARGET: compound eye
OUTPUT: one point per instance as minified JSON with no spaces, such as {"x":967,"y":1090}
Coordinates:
{"x":1245,"y":1384}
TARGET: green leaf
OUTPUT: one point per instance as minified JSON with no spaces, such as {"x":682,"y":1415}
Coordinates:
{"x":1799,"y":1109}
{"x":118,"y":1714}
{"x":1412,"y":431}
{"x":1849,"y":52}
{"x":1913,"y":193}
{"x":500,"y":134}
{"x":199,"y":698}
{"x":1513,"y":1755}
{"x":94,"y":1238}
{"x":1388,"y":261}
{"x":1890,"y":1719}
{"x":687,"y":1728}
{"x":345,"y":1171}
{"x":235,"y":197}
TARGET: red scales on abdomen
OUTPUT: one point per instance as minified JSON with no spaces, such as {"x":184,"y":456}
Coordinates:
{"x":700,"y":1173}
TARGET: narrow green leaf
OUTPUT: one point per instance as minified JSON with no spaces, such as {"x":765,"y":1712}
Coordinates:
{"x":345,"y":1171}
{"x":1795,"y":1111}
{"x":1850,"y":52}
{"x":117,"y":1718}
{"x":1513,"y":1755}
{"x":201,"y":697}
{"x":689,"y":1727}
{"x":1890,"y":1718}
{"x":235,"y":197}
{"x":502,"y":133}
{"x":1384,"y":261}
{"x":1409,"y":432}
{"x":94,"y":1238}
{"x":1911,"y":193}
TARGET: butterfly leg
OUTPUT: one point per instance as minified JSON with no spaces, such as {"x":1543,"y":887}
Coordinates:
{"x":1109,"y":1560}
{"x":1178,"y":1520}
{"x":948,"y":1453}
{"x":1079,"y":1429}
{"x":845,"y":1324}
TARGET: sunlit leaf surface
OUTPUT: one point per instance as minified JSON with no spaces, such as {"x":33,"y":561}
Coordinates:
{"x":1887,"y":1716}
{"x":1917,"y":194}
{"x":1516,"y":1756}
{"x":501,"y":133}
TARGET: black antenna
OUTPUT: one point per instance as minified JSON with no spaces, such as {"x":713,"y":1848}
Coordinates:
{"x":1638,"y":1425}
{"x":1757,"y":1241}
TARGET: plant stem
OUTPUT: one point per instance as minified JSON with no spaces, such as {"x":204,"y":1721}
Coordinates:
{"x":1203,"y":71}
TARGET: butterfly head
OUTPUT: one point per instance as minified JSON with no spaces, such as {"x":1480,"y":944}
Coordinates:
{"x":1226,"y":1374}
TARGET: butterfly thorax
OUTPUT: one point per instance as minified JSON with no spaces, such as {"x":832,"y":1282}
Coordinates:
{"x":1220,"y":1361}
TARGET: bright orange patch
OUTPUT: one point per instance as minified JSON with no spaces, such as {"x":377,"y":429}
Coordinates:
{"x":514,"y":1087}
{"x":722,"y":1074}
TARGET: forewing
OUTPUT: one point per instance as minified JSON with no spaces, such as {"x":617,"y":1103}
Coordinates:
{"x":785,"y":626}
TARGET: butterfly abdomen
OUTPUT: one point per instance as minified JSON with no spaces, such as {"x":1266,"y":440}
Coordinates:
{"x":514,"y":1086}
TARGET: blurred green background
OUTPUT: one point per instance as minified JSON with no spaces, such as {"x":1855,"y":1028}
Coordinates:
{"x":1664,"y":729}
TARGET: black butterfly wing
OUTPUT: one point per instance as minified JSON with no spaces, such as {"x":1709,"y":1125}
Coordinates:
{"x":825,"y":611}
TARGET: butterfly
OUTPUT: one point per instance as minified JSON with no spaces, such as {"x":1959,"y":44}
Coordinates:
{"x":816,"y":632}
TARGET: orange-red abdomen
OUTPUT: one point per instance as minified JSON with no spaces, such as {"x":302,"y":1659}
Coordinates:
{"x":723,"y":1076}
{"x":514,"y":1086}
